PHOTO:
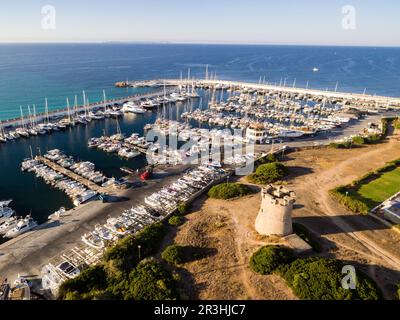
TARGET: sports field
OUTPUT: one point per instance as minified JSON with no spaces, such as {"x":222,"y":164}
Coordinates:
{"x":381,"y":188}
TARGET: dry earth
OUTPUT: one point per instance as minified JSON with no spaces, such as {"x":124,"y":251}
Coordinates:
{"x":226,"y":228}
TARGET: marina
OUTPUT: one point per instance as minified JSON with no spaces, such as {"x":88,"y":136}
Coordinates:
{"x":205,"y":118}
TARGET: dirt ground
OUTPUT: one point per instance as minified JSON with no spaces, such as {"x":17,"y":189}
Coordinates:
{"x":226,"y":228}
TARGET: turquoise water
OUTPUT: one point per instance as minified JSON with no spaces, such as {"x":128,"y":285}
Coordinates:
{"x":29,"y":73}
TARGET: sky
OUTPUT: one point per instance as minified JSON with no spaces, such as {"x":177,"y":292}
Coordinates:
{"x":310,"y":22}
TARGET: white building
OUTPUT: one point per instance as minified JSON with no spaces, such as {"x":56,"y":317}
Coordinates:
{"x":257,"y":134}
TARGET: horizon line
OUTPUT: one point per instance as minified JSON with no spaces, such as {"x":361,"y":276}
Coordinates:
{"x":200,"y":43}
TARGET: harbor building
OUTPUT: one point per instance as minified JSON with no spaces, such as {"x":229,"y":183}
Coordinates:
{"x":275,"y":215}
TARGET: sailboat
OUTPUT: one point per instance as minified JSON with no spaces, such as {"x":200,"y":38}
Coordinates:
{"x":22,"y":131}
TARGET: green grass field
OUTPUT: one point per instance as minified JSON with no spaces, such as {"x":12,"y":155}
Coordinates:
{"x":381,"y":188}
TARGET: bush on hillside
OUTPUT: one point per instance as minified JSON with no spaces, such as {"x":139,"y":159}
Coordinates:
{"x":348,"y":201}
{"x":90,"y":280}
{"x":268,"y":173}
{"x":183,"y":208}
{"x":151,"y":281}
{"x":321,"y":279}
{"x":228,"y":191}
{"x":173,"y":254}
{"x":268,"y":259}
{"x":358,"y":140}
{"x":175,"y":221}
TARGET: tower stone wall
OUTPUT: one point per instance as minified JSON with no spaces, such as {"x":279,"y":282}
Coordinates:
{"x":275,"y":215}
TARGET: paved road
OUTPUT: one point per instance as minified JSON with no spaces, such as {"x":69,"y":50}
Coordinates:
{"x":28,"y":253}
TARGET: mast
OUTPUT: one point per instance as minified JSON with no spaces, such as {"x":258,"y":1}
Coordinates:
{"x":207,"y":72}
{"x":22,"y":117}
{"x":76,"y":105}
{"x":84,"y":102}
{"x":46,"y":110}
{"x":30,"y":116}
{"x":34,"y":114}
{"x":68,"y":110}
{"x":104,"y":100}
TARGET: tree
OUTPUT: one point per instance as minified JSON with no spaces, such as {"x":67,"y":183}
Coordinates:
{"x":173,"y":254}
{"x":228,"y":191}
{"x":175,"y":221}
{"x":268,"y":173}
{"x":320,"y":279}
{"x":151,"y":281}
{"x":268,"y":259}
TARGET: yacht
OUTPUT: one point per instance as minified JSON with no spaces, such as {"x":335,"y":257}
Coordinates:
{"x":130,"y":107}
{"x":8,"y":225}
{"x":5,"y":211}
{"x":58,"y":214}
{"x":93,"y":240}
{"x":24,"y":225}
{"x":87,"y":195}
{"x":290,"y":133}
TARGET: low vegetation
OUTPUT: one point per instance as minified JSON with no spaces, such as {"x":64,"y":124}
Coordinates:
{"x":268,"y":259}
{"x":396,"y":124}
{"x":229,"y":191}
{"x":268,"y":173}
{"x":173,"y":254}
{"x":183,"y":208}
{"x":349,"y":201}
{"x":125,"y":272}
{"x":372,"y":189}
{"x":321,"y":279}
{"x":312,"y":278}
{"x":175,"y":220}
{"x":269,"y":158}
{"x":371,"y":139}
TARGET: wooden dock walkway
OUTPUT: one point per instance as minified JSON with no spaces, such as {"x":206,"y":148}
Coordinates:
{"x":70,"y":174}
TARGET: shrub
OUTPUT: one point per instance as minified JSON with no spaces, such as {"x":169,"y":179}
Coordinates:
{"x":349,"y":201}
{"x":321,"y":279}
{"x":270,"y":157}
{"x":358,"y":140}
{"x":396,"y":124}
{"x":268,"y":259}
{"x":373,"y":138}
{"x":90,"y":279}
{"x":151,"y":281}
{"x":173,"y":254}
{"x":268,"y":173}
{"x":175,"y":221}
{"x":228,"y":191}
{"x":398,"y":290}
{"x":183,"y":208}
{"x":125,"y":254}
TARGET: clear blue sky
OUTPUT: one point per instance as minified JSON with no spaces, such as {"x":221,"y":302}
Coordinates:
{"x":204,"y":21}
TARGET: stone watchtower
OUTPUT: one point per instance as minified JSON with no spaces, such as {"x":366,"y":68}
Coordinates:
{"x":275,"y":215}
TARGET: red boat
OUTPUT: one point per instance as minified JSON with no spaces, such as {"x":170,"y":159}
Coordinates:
{"x":147,"y":174}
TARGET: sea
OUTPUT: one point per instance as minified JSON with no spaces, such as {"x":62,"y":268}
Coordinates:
{"x":29,"y":73}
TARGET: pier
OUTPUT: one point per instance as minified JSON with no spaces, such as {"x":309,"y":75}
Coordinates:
{"x":87,"y":183}
{"x":63,"y":112}
{"x":366,"y":98}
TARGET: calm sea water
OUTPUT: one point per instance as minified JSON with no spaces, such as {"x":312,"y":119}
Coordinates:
{"x":28,"y":73}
